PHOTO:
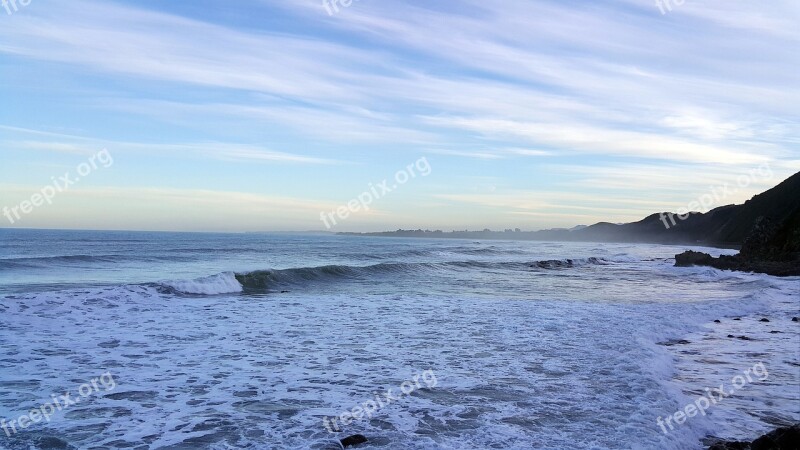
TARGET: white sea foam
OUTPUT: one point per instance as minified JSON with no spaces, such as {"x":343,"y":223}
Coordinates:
{"x":718,"y":351}
{"x":564,"y":359}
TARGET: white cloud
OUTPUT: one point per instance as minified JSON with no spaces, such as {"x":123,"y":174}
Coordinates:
{"x":706,"y":91}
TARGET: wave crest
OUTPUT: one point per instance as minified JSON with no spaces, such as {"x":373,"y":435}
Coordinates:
{"x":221,"y":283}
{"x":266,"y":280}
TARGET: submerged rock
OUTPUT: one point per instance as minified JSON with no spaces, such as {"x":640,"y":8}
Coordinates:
{"x":674,"y":342}
{"x":353,"y":440}
{"x":52,"y":443}
{"x":568,"y":263}
{"x":554,"y":264}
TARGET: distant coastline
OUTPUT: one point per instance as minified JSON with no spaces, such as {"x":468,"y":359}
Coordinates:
{"x":550,"y":235}
{"x":723,"y":227}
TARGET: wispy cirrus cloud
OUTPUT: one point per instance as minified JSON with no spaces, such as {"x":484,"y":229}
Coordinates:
{"x":516,"y":89}
{"x":594,"y":76}
{"x":214,"y":150}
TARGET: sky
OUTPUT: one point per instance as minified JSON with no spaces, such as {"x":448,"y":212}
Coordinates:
{"x":267,"y":115}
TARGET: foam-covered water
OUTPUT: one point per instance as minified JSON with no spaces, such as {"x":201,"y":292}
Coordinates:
{"x":221,"y":283}
{"x":249,"y":341}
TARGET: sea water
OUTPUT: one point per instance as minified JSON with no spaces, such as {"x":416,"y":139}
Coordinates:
{"x":258,"y":341}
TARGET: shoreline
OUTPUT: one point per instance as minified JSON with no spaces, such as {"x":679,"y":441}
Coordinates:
{"x":753,"y":375}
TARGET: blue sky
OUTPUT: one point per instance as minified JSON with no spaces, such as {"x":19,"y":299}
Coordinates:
{"x":259,"y":115}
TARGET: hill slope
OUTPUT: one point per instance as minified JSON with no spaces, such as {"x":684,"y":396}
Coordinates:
{"x":726,"y":226}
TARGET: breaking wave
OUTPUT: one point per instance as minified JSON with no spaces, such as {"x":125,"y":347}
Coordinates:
{"x":221,"y":283}
{"x":274,"y":279}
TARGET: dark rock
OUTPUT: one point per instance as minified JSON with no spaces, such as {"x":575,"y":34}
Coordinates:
{"x":731,"y":336}
{"x":738,"y":263}
{"x":738,"y":318}
{"x":730,"y":445}
{"x":353,"y":440}
{"x":780,"y":439}
{"x":717,"y":321}
{"x":787,"y":438}
{"x":774,"y":332}
{"x":693,"y":258}
{"x":554,"y":264}
{"x":674,"y":342}
{"x":764,"y":320}
{"x":769,"y":248}
{"x":744,"y":338}
{"x":284,"y":292}
{"x":795,"y":319}
{"x":757,"y":244}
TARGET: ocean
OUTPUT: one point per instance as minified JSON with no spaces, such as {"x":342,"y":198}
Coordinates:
{"x":292,"y":341}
